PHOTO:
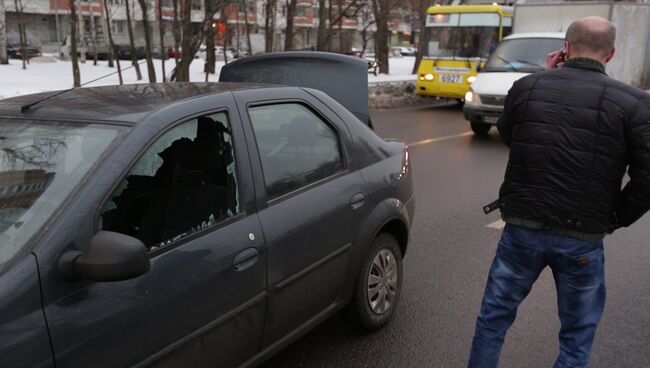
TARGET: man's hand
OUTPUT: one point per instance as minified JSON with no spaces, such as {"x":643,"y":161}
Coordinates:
{"x":554,"y":59}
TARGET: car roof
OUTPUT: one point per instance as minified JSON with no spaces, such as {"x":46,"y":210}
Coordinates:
{"x":126,"y":103}
{"x":560,"y":35}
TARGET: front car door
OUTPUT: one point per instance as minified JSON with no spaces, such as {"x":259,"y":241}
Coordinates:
{"x":311,"y":204}
{"x":187,"y":196}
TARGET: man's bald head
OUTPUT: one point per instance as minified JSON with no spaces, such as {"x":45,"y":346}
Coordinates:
{"x":591,"y":36}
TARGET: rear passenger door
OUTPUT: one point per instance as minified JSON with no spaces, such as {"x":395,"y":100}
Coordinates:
{"x":310,"y":204}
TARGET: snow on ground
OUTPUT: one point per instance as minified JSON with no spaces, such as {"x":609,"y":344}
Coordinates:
{"x":42,"y":77}
{"x":399,"y":68}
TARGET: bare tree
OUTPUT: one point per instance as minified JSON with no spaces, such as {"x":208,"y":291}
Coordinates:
{"x":134,"y":56}
{"x":367,"y":21}
{"x":419,"y":11}
{"x":350,"y":10}
{"x":161,"y":32}
{"x":73,"y":44}
{"x":210,"y":57}
{"x":247,"y":27}
{"x":381,"y":10}
{"x":110,"y":41}
{"x":176,"y":32}
{"x":269,"y":24}
{"x":224,"y":19}
{"x":291,"y":14}
{"x":3,"y":34}
{"x":147,"y":40}
{"x":321,"y":35}
{"x":329,"y":17}
{"x":93,"y":32}
{"x":21,"y":31}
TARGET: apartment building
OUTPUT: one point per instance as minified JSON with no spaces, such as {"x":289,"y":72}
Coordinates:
{"x":48,"y":23}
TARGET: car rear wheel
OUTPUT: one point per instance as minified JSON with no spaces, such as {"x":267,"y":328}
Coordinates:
{"x":479,"y":128}
{"x":378,"y":286}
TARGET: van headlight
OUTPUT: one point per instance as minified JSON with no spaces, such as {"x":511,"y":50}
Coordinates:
{"x":428,"y":77}
{"x":469,"y":96}
{"x":471,"y":79}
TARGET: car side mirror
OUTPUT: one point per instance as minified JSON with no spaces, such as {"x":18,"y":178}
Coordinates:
{"x":111,"y":257}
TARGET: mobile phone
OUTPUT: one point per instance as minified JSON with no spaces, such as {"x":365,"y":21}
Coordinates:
{"x":563,"y":55}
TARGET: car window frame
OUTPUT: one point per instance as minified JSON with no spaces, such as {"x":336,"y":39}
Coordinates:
{"x":202,"y":232}
{"x":319,"y":114}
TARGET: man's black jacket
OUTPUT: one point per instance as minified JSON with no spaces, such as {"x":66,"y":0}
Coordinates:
{"x":572,"y":133}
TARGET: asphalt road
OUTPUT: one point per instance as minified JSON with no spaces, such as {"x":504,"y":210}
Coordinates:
{"x":450,"y":251}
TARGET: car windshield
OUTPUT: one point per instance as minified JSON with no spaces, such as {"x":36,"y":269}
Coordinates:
{"x":522,"y":54}
{"x":467,"y":35}
{"x":40,"y":165}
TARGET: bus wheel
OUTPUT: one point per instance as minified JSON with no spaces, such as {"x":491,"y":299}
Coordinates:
{"x":479,"y":128}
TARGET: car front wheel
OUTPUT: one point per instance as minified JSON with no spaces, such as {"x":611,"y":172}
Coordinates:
{"x":480,"y":128}
{"x":378,"y":286}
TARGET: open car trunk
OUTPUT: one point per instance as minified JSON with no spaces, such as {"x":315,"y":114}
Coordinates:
{"x":344,"y":78}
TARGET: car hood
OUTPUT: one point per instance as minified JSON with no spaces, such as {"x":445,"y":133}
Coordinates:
{"x":342,"y":77}
{"x":495,"y":83}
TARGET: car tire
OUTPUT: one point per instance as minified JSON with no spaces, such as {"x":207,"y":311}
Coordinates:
{"x":378,"y":286}
{"x":479,"y":128}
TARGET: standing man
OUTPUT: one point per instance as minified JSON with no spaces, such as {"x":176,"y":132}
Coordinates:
{"x":572,"y":132}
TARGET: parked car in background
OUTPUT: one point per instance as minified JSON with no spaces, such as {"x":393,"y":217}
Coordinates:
{"x":123,"y":52}
{"x":15,"y":50}
{"x":517,"y":56}
{"x":403,"y":51}
{"x":197,"y":224}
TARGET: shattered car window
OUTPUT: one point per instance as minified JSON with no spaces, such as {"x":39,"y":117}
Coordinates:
{"x":185,"y":182}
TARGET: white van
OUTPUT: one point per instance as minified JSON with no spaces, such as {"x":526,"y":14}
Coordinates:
{"x":517,"y":56}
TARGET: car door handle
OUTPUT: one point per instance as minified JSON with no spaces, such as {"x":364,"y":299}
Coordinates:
{"x":357,"y":200}
{"x":245,"y":259}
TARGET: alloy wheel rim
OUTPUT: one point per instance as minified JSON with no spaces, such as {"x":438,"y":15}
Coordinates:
{"x":382,"y":282}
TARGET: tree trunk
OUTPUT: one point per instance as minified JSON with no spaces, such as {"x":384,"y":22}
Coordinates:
{"x":73,"y":44}
{"x":210,"y":58}
{"x":291,"y":14}
{"x":21,"y":32}
{"x":225,"y":37}
{"x":269,"y":25}
{"x":247,"y":28}
{"x":110,"y":41}
{"x":421,"y":11}
{"x":380,"y":11}
{"x":93,"y":32}
{"x":161,"y":31}
{"x":321,"y":37}
{"x":147,"y":41}
{"x":3,"y":34}
{"x":134,"y":57}
{"x":177,"y":30}
{"x":183,"y":67}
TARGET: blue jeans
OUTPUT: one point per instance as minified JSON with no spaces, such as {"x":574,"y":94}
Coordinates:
{"x":579,"y":272}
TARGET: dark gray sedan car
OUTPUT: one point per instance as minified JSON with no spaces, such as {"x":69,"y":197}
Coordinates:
{"x":192,"y":224}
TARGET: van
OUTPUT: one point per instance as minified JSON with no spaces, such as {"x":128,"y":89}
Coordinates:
{"x":517,"y":56}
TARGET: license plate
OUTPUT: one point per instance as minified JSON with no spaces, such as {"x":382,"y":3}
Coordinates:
{"x":451,"y":78}
{"x":490,"y":119}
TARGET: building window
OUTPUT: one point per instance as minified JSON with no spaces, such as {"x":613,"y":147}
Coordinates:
{"x":117,"y":26}
{"x":301,"y":10}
